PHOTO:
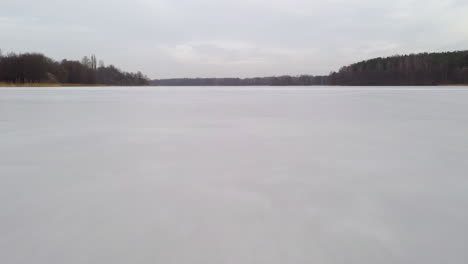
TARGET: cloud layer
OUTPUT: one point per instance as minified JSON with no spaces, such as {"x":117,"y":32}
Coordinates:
{"x":187,"y":38}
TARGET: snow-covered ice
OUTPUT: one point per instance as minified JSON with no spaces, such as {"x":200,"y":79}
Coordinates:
{"x":234,"y":175}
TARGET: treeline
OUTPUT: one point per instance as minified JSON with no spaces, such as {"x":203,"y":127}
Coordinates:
{"x":259,"y":81}
{"x":415,"y":69}
{"x":37,"y":68}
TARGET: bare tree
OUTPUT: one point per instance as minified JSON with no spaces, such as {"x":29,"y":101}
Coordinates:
{"x":86,"y":62}
{"x":93,"y":62}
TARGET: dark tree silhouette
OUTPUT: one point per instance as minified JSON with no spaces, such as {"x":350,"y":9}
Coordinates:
{"x":414,"y":69}
{"x":37,"y":68}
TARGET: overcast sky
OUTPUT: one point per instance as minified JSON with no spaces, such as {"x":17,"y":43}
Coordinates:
{"x":226,"y":38}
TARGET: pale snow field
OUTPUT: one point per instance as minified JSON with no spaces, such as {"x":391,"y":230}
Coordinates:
{"x":234,"y":175}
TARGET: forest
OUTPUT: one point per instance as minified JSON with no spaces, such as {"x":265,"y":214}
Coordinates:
{"x":446,"y":68}
{"x":36,"y":68}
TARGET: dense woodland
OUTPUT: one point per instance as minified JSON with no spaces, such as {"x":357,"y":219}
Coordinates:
{"x":414,"y":69}
{"x":37,"y":68}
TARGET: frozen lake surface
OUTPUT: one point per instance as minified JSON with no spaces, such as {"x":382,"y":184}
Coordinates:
{"x":233,"y":175}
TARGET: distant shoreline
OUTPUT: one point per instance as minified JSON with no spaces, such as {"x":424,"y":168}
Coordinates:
{"x":51,"y":85}
{"x":422,"y":69}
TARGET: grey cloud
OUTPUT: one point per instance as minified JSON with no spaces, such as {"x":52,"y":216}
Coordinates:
{"x":198,"y":38}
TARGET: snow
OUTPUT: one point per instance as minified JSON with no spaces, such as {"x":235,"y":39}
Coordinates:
{"x":235,"y":175}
